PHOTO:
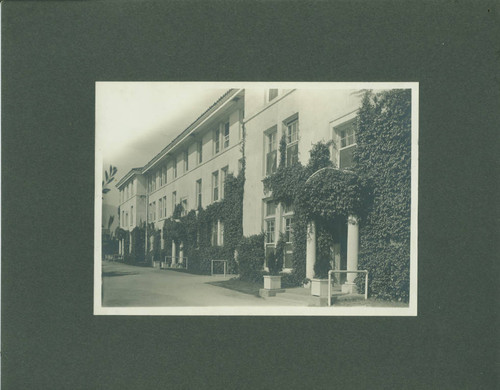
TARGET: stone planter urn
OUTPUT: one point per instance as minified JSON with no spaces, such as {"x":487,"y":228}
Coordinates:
{"x":272,"y":282}
{"x":319,"y":287}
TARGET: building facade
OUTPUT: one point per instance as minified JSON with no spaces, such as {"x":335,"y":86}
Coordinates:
{"x":250,"y":123}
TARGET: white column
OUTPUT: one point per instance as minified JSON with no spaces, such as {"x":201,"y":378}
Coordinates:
{"x":173,"y":253}
{"x":120,"y":246}
{"x":352,"y":253}
{"x":181,"y":253}
{"x":162,"y":239}
{"x":310,"y":249}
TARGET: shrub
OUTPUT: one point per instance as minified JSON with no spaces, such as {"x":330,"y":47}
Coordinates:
{"x":251,"y":257}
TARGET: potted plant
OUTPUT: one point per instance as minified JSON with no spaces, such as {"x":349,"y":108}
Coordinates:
{"x":319,"y":284}
{"x":273,"y":280}
{"x":274,"y":261}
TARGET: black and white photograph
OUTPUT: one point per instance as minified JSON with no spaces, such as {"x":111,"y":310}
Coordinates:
{"x":256,"y":198}
{"x":249,"y":195}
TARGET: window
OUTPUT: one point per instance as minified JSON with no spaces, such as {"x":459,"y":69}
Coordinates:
{"x":123,"y":218}
{"x":213,"y":236}
{"x":175,"y":167}
{"x":270,"y":231}
{"x":217,"y":233}
{"x":160,"y":208}
{"x":186,"y":161}
{"x":347,"y":137}
{"x":131,"y":215}
{"x":165,"y":206}
{"x":221,"y":233}
{"x":154,"y":211}
{"x":174,"y":200}
{"x":270,"y":208}
{"x":288,"y":229}
{"x":215,"y":186}
{"x":198,"y":194}
{"x":292,"y":144}
{"x":200,"y":152}
{"x":150,"y":212}
{"x":226,"y":135}
{"x":271,"y":152}
{"x":217,"y":141}
{"x":240,"y":127}
{"x":184,"y":204}
{"x":153,"y":181}
{"x":270,"y":221}
{"x":223,"y":180}
{"x":126,"y":219}
{"x":273,"y":93}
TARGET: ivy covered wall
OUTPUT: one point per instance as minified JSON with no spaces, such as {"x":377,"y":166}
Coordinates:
{"x":376,"y":189}
{"x":383,"y":156}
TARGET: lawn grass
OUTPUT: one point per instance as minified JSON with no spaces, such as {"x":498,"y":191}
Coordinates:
{"x":239,"y":285}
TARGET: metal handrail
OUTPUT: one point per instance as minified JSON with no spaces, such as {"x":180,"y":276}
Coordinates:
{"x":332,"y":271}
{"x":225,"y":267}
{"x":176,"y":257}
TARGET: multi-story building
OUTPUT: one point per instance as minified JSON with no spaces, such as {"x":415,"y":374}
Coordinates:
{"x":133,"y":194}
{"x":302,"y":117}
{"x":191,"y":170}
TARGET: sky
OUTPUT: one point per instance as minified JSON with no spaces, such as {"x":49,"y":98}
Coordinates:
{"x":136,"y":120}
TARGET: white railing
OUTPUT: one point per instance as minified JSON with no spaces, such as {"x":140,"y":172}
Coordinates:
{"x":225,"y":267}
{"x":182,"y":261}
{"x":332,"y":271}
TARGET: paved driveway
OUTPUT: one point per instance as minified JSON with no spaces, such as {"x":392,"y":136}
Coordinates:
{"x":125,"y":285}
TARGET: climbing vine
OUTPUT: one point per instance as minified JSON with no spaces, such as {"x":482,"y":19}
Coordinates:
{"x":376,"y":189}
{"x":195,"y":230}
{"x":384,"y":156}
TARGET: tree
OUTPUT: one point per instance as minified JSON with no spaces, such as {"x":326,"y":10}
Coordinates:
{"x":109,"y":178}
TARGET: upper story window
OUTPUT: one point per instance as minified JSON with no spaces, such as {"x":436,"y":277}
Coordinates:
{"x":292,"y":141}
{"x":223,"y":180}
{"x":215,"y":186}
{"x":226,"y":135}
{"x":131,"y":215}
{"x":175,"y":167}
{"x":217,"y":141}
{"x":186,"y":161}
{"x":184,"y":204}
{"x":163,"y":178}
{"x":198,"y":193}
{"x":346,"y":134}
{"x":153,"y":181}
{"x":174,"y":200}
{"x":200,"y":152}
{"x":160,"y":208}
{"x":272,"y":93}
{"x":271,"y":151}
{"x":165,"y":206}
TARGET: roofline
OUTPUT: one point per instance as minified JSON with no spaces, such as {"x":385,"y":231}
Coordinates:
{"x":213,"y":109}
{"x":130,"y":174}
